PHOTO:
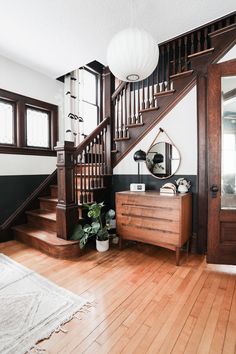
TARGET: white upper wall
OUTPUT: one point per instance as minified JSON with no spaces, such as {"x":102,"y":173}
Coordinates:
{"x":20,"y":79}
{"x":58,"y":36}
{"x":181,"y":126}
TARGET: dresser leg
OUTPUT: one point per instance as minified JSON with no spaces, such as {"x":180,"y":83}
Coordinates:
{"x":177,"y":255}
{"x":188,"y":247}
{"x":120,"y":243}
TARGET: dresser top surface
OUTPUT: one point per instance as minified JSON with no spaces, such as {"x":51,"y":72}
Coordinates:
{"x":154,"y":194}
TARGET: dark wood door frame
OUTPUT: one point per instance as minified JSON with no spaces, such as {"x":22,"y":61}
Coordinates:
{"x":202,"y":178}
{"x":202,"y":162}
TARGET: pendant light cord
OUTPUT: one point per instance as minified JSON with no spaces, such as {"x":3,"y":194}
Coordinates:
{"x":132,"y":19}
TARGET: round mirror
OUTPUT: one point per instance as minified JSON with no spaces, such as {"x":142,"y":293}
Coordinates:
{"x":163,"y":160}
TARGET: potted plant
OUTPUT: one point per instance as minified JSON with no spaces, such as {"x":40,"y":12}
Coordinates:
{"x":99,"y":227}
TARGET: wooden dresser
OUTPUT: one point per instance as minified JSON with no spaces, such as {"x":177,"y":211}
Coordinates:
{"x":162,"y":220}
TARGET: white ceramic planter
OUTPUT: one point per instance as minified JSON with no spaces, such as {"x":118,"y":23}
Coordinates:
{"x":102,"y":246}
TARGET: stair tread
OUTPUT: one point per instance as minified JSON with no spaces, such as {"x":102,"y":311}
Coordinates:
{"x":148,"y":109}
{"x":49,"y":237}
{"x":49,"y":199}
{"x":43,"y":213}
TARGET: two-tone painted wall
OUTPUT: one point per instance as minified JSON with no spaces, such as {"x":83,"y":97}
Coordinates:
{"x":21,"y":174}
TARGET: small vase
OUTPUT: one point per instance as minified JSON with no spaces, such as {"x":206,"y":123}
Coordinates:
{"x":182,"y":189}
{"x":102,"y":246}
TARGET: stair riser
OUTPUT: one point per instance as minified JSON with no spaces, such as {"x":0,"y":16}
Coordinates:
{"x":61,"y":252}
{"x":48,"y":205}
{"x":42,"y":223}
{"x":53,"y":191}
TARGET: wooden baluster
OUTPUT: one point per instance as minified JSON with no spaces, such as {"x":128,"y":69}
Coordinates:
{"x":85,"y":173}
{"x":67,"y":207}
{"x":134,"y":105}
{"x":117,"y":118}
{"x":106,"y":148}
{"x":205,"y":45}
{"x":213,"y":27}
{"x":79,"y":175}
{"x":192,"y":43}
{"x":163,"y":66}
{"x":138,"y":91}
{"x":153,"y":91}
{"x":95,"y":172}
{"x":143,"y":95}
{"x":97,"y":154}
{"x":179,"y":56}
{"x":174,"y":58}
{"x":130,"y":100}
{"x":148,"y":94}
{"x":227,"y":22}
{"x":125,"y":111}
{"x":220,"y":24}
{"x":121,"y":115}
{"x":185,"y":53}
{"x":102,"y":157}
{"x":199,"y":41}
{"x":168,"y":67}
{"x":92,"y":180}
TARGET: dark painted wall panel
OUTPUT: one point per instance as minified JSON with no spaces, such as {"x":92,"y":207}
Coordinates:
{"x":122,"y":182}
{"x":14,"y":190}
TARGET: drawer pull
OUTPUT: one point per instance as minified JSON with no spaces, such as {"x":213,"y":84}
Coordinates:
{"x":150,"y":228}
{"x":146,"y":217}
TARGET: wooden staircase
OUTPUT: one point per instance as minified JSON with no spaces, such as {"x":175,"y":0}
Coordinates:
{"x":138,"y":107}
{"x":83,"y":177}
{"x":83,"y":172}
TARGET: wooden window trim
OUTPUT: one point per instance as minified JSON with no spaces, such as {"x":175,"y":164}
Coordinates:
{"x":21,"y":103}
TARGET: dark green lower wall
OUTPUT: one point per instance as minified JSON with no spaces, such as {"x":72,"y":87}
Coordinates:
{"x":122,"y":183}
{"x":14,"y":190}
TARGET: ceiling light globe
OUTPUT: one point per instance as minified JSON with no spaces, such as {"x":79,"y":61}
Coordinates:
{"x":132,"y":55}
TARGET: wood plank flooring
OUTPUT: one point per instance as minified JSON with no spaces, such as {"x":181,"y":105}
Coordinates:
{"x":144,"y":303}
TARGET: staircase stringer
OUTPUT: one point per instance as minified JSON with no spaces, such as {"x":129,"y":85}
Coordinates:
{"x":151,"y":120}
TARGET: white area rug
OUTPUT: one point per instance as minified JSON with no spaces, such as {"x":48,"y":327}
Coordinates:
{"x":31,"y":307}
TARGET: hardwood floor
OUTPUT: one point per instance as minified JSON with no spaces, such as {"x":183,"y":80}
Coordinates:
{"x":144,"y":303}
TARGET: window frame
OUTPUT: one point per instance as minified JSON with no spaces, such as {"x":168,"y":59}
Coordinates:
{"x":98,"y":92}
{"x":21,"y":103}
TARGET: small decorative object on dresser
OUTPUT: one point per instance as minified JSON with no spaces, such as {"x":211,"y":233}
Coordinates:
{"x":183,"y":185}
{"x":151,"y":217}
{"x":168,"y":188}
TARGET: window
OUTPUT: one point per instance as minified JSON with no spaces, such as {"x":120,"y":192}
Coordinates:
{"x":27,"y":126}
{"x":6,"y":122}
{"x":89,"y":106}
{"x":37,"y":128}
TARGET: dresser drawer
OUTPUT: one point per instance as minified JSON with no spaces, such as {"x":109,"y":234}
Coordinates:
{"x":145,"y":200}
{"x":150,"y":222}
{"x":147,"y":234}
{"x":167,"y":212}
{"x":162,"y":220}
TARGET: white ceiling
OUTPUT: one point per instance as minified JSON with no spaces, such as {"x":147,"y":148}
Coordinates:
{"x":57,"y":36}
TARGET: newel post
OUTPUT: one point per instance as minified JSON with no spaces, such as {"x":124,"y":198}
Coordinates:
{"x":67,"y":208}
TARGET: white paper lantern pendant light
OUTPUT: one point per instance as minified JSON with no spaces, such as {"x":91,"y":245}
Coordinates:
{"x":132,"y":54}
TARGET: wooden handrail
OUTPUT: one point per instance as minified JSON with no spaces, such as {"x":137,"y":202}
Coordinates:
{"x":118,"y":90}
{"x":26,"y":204}
{"x":92,"y":136}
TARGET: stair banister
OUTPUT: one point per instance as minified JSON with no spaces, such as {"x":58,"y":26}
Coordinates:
{"x":70,"y":160}
{"x":67,"y":208}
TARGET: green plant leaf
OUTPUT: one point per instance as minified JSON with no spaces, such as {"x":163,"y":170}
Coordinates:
{"x":102,"y":234}
{"x":95,"y":227}
{"x":78,"y":233}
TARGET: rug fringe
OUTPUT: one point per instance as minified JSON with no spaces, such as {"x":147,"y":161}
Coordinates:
{"x":84,"y":309}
